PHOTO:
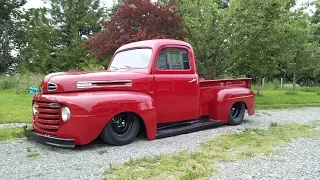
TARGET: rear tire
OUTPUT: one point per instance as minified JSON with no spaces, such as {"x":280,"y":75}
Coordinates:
{"x":121,"y":129}
{"x":236,"y":113}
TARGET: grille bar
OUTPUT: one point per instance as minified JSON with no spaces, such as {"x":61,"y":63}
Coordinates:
{"x":48,"y":111}
{"x":48,"y":116}
{"x":46,"y":126}
{"x":51,"y":122}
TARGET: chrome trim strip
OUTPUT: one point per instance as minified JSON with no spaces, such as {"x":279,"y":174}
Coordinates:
{"x":89,"y":84}
{"x":101,"y":82}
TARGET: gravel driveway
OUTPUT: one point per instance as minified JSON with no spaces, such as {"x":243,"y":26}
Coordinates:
{"x":298,"y":160}
{"x":24,"y":159}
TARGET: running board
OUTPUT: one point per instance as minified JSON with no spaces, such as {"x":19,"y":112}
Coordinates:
{"x":186,"y":127}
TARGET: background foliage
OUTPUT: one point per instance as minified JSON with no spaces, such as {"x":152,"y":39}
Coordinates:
{"x":259,"y":39}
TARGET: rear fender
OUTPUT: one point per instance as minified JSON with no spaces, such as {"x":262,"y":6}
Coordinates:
{"x":91,"y":111}
{"x":221,"y":101}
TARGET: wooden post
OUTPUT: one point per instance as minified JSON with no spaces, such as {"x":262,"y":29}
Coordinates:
{"x":281,"y":83}
{"x":262,"y":82}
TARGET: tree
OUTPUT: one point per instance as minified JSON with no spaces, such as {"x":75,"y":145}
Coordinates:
{"x":315,"y":19}
{"x":300,"y":49}
{"x":207,"y":29}
{"x":37,"y":55}
{"x":261,"y":36}
{"x":11,"y":32}
{"x":136,"y":20}
{"x":55,"y":42}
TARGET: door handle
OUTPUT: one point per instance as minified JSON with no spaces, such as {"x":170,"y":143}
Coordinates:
{"x":193,"y":80}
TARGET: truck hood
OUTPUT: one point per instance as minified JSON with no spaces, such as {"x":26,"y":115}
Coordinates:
{"x":99,"y":80}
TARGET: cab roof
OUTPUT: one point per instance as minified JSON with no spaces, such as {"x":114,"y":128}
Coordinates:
{"x":154,"y":44}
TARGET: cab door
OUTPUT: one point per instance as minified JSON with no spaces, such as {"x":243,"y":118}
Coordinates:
{"x":176,"y":85}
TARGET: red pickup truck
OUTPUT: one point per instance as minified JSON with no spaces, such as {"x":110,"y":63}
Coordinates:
{"x":150,"y":86}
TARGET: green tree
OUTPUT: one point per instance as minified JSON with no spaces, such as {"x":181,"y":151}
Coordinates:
{"x":56,"y":36}
{"x":207,"y":29}
{"x":299,"y":50}
{"x":315,"y":20}
{"x":264,"y":35}
{"x":38,"y":54}
{"x":11,"y":32}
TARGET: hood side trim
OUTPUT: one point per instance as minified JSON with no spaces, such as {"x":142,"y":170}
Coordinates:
{"x":104,"y":84}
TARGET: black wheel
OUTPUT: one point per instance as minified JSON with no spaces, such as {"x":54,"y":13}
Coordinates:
{"x":121,"y":129}
{"x":236,"y":114}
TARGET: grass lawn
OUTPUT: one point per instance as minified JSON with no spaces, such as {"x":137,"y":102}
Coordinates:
{"x":11,"y":133}
{"x":15,"y":107}
{"x":283,"y":99}
{"x":200,"y":164}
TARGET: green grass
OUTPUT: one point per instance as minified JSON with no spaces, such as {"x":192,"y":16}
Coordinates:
{"x":283,"y":99}
{"x":32,"y":153}
{"x":15,"y":107}
{"x":11,"y":133}
{"x":200,"y":164}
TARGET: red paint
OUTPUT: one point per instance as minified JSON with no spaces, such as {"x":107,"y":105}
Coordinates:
{"x":157,"y":96}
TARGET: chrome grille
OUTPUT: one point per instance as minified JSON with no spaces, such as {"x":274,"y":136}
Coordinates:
{"x":47,"y":117}
{"x":52,"y":86}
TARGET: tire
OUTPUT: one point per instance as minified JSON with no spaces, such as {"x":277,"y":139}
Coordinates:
{"x":236,"y":113}
{"x":121,"y":129}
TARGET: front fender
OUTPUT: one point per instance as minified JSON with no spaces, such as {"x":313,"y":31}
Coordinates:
{"x":91,"y":111}
{"x":221,"y":101}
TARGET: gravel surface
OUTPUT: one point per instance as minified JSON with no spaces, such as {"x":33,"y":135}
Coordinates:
{"x":12,"y":125}
{"x":297,"y":160}
{"x":24,"y":159}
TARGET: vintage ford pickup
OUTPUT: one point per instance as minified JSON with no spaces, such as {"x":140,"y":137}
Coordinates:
{"x":149,"y":86}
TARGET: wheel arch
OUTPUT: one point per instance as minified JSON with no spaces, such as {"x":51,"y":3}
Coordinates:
{"x":221,"y":101}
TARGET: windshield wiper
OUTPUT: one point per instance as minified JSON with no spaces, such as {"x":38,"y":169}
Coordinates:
{"x":128,"y":66}
{"x":114,"y":67}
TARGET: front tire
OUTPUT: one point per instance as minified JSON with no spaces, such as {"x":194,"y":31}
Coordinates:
{"x":236,"y":113}
{"x":121,"y":129}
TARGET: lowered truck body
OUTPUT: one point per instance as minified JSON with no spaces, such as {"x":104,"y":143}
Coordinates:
{"x":150,"y":86}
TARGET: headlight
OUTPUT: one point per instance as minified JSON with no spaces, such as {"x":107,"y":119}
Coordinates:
{"x":34,"y":108}
{"x":65,"y":114}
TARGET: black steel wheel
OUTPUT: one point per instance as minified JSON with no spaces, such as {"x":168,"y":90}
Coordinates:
{"x":121,"y":129}
{"x":236,"y":114}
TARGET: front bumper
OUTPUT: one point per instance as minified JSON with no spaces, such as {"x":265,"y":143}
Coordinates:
{"x":49,"y":140}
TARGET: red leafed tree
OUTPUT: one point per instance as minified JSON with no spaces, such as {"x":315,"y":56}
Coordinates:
{"x":137,"y":20}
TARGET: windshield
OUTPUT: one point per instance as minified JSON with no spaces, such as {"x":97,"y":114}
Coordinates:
{"x":135,"y":58}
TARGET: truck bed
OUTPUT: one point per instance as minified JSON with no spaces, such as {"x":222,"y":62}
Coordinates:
{"x":210,"y":87}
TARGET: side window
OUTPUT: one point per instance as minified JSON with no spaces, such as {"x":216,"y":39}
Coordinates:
{"x":173,"y":58}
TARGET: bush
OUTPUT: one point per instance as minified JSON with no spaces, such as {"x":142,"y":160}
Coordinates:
{"x":20,"y":83}
{"x":6,"y":83}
